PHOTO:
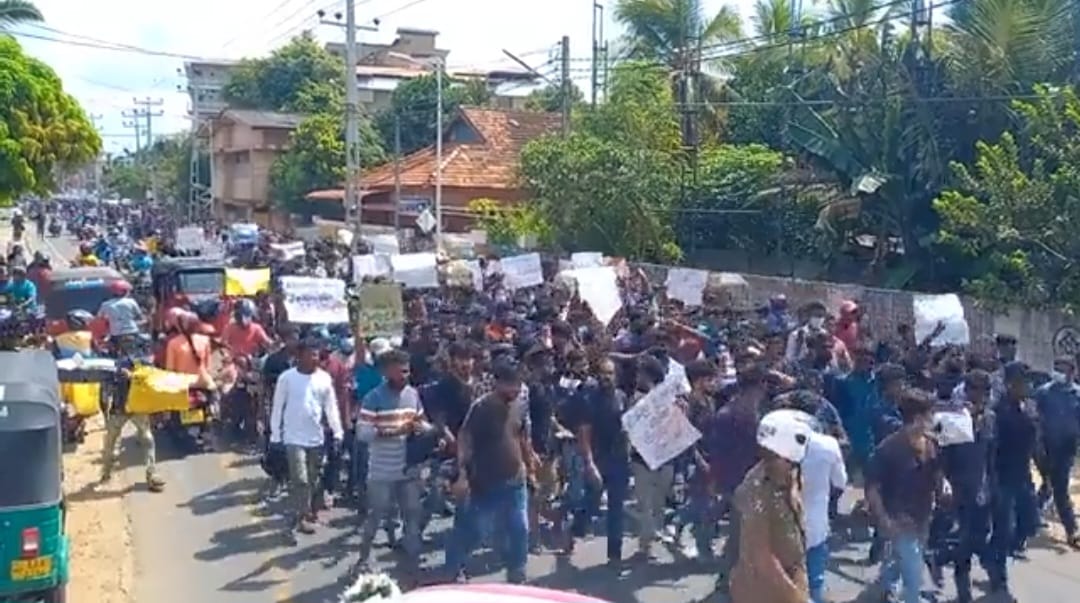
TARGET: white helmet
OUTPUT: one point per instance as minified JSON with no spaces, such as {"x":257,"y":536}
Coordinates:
{"x":785,"y":432}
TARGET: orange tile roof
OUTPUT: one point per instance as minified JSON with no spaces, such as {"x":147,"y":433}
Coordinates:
{"x":489,"y":163}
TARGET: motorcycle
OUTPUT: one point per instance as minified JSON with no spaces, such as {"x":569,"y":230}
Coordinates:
{"x":54,"y":228}
{"x":192,"y":427}
{"x":242,"y":402}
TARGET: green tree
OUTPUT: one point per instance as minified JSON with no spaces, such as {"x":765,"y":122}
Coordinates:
{"x":164,"y":168}
{"x":1012,"y":215}
{"x":506,"y":225}
{"x":414,"y":102}
{"x":14,"y":12}
{"x":42,"y":128}
{"x":610,"y":185}
{"x":299,"y":77}
{"x":316,"y":159}
{"x":550,"y":98}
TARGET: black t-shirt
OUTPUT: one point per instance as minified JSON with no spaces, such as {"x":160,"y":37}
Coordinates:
{"x":276,"y":364}
{"x":496,"y":451}
{"x":450,"y":400}
{"x":906,"y":482}
{"x":542,"y":401}
{"x":602,"y":410}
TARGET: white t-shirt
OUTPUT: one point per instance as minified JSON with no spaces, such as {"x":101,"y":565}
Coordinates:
{"x":822,"y":470}
{"x":304,"y":400}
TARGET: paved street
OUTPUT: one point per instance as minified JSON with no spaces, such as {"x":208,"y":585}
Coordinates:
{"x":210,"y":538}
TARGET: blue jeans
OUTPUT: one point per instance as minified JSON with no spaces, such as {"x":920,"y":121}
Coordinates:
{"x":817,"y":561}
{"x":903,"y":565}
{"x":506,"y":508}
{"x":615,"y":475}
{"x":700,"y":512}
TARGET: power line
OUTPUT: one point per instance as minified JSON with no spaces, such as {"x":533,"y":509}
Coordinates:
{"x":403,"y":7}
{"x":115,"y":48}
{"x":281,"y":5}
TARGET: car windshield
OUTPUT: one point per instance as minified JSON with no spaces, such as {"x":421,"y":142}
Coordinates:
{"x":65,"y":297}
{"x":202,"y":282}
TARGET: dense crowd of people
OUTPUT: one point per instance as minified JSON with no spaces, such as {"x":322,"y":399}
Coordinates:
{"x":505,"y":409}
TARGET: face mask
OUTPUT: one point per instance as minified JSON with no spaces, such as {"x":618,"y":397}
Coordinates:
{"x":817,"y":322}
{"x":1059,"y":377}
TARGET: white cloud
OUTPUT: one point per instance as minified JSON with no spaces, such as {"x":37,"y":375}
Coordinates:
{"x":475,"y":32}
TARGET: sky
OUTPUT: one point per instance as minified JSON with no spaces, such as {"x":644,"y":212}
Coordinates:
{"x":107,"y":82}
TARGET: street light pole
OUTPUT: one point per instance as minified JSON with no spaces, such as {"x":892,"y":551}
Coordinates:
{"x":438,"y":152}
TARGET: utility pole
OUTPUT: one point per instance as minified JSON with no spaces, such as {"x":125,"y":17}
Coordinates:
{"x":565,"y":82}
{"x":94,"y":119}
{"x":144,"y":107}
{"x":134,"y":121}
{"x":352,"y":116}
{"x":397,"y":173}
{"x":599,"y":48}
{"x":438,"y":152}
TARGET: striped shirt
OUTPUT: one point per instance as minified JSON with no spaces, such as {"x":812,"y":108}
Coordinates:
{"x":384,"y":408}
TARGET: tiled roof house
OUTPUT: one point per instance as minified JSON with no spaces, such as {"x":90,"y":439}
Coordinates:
{"x":481,"y":147}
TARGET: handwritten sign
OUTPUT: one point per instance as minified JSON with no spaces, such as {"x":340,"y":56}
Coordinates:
{"x":657,"y":427}
{"x":521,"y":271}
{"x":382,"y":312}
{"x":946,"y":309}
{"x":687,"y":285}
{"x":416,"y":270}
{"x":310,"y":300}
{"x":190,"y":238}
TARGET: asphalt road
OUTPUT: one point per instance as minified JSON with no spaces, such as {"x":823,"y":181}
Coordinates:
{"x":211,"y":537}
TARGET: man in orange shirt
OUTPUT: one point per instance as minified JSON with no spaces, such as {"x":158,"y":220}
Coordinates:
{"x":245,"y":337}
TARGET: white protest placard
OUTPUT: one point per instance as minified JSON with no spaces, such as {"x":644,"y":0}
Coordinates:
{"x":190,"y":238}
{"x":657,"y":427}
{"x":310,"y":300}
{"x":370,"y":265}
{"x":415,"y":270}
{"x":687,"y":285}
{"x":586,"y":259}
{"x":947,"y":309}
{"x":386,"y":244}
{"x":521,"y":271}
{"x":288,"y":251}
{"x":598,"y":287}
{"x":477,"y":274}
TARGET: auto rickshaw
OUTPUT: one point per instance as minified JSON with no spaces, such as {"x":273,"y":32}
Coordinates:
{"x":34,"y":548}
{"x":186,"y":282}
{"x":84,"y":288}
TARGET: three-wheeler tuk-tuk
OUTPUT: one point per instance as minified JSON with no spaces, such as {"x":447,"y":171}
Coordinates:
{"x":34,"y":548}
{"x":186,"y":282}
{"x":83,"y":288}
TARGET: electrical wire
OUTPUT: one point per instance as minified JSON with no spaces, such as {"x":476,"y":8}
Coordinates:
{"x":401,"y":8}
{"x":239,"y":36}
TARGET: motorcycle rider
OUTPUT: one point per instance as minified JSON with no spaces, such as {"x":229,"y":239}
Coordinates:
{"x":103,"y":249}
{"x":40,"y":270}
{"x":86,"y":256}
{"x":18,"y":223}
{"x":78,"y":339}
{"x":20,"y":291}
{"x":122,"y":313}
{"x":244,"y":336}
{"x":39,"y":223}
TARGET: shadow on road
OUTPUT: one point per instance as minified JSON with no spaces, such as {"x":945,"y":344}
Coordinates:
{"x":233,"y":494}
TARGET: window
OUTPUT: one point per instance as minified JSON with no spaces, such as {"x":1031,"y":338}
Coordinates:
{"x":62,"y":299}
{"x":29,"y":483}
{"x":209,"y":282}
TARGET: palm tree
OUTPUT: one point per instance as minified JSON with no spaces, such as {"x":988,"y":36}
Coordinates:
{"x":680,"y":37}
{"x":14,"y":12}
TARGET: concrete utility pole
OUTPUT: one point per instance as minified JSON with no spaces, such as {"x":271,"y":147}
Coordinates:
{"x":134,"y":121}
{"x":144,"y":107}
{"x":94,"y":119}
{"x":438,"y":152}
{"x":599,"y":49}
{"x":352,"y":116}
{"x":397,"y":172}
{"x":565,"y":83}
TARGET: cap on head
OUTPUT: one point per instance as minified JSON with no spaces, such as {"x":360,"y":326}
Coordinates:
{"x":379,"y":346}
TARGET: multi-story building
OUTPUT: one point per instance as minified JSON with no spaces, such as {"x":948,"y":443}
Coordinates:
{"x":245,"y":145}
{"x":206,"y":85}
